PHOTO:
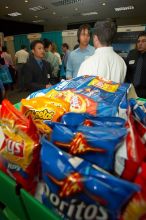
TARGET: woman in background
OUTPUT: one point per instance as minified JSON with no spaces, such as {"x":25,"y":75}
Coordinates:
{"x":54,"y":51}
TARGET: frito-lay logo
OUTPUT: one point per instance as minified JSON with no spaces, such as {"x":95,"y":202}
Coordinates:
{"x":13,"y":147}
{"x":41,"y":114}
{"x":79,"y":145}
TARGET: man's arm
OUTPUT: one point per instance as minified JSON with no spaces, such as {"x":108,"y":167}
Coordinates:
{"x":69,"y":68}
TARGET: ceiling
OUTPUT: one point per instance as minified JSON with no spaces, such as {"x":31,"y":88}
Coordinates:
{"x":60,"y":13}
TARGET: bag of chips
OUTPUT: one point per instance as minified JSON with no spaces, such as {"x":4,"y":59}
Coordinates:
{"x":130,"y":155}
{"x":72,"y":120}
{"x":136,"y":208}
{"x":43,"y":108}
{"x":19,"y":146}
{"x":76,"y":189}
{"x":97,"y":144}
{"x":88,"y":94}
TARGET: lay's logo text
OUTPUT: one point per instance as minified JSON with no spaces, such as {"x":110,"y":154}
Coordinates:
{"x":12,"y":147}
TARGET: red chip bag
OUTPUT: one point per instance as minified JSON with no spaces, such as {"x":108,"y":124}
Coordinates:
{"x":131,"y":154}
{"x":136,"y":208}
{"x":19,"y":146}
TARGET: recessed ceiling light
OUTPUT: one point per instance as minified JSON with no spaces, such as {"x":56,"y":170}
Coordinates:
{"x":103,"y":3}
{"x":26,"y":1}
{"x":38,"y":8}
{"x":14,"y":14}
{"x":6,"y":7}
{"x":54,"y":13}
{"x":130,"y":7}
{"x":89,"y":13}
{"x":38,"y":21}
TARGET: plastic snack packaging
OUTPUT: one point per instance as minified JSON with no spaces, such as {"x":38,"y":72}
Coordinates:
{"x":93,"y":95}
{"x":132,"y":153}
{"x":97,"y":144}
{"x":139,"y":111}
{"x":43,"y":108}
{"x":77,"y":189}
{"x":72,"y":120}
{"x":19,"y":146}
{"x":136,"y":208}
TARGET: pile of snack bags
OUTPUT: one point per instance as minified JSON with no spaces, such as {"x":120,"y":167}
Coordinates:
{"x":80,"y":147}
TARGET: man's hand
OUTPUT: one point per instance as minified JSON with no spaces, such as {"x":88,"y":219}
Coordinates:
{"x":48,"y":85}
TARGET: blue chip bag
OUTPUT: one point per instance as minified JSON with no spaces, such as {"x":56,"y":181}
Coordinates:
{"x":93,"y":95}
{"x":78,"y":190}
{"x":75,"y":83}
{"x":95,"y":144}
{"x":72,"y":120}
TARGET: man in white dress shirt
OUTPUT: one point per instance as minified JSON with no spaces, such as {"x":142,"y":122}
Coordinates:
{"x":105,"y":62}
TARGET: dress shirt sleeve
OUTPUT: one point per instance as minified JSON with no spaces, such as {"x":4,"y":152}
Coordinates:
{"x":123,"y":76}
{"x":69,"y":68}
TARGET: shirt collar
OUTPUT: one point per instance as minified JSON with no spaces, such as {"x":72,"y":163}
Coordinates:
{"x":87,"y":48}
{"x":104,"y":49}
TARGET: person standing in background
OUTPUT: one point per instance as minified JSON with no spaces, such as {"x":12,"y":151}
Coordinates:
{"x":21,"y":57}
{"x":51,"y":58}
{"x":136,"y":66}
{"x":7,"y":57}
{"x":66,"y":52}
{"x":54,"y":51}
{"x":37,"y":71}
{"x":9,"y":62}
{"x":105,"y":62}
{"x":84,"y":50}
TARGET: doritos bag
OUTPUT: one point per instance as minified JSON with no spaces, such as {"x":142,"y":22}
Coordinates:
{"x":76,"y":189}
{"x":97,"y":144}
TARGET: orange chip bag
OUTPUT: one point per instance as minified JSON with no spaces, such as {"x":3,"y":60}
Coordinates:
{"x":19,"y":146}
{"x":44,"y":108}
{"x":78,"y":102}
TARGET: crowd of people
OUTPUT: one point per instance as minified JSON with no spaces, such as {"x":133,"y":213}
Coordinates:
{"x":43,"y":66}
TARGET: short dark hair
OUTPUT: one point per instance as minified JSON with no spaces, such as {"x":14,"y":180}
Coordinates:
{"x":65,"y":45}
{"x":34,"y":43}
{"x":142,"y":34}
{"x":46,"y":43}
{"x":83,"y":27}
{"x":23,"y":46}
{"x":4,"y":48}
{"x":105,"y":31}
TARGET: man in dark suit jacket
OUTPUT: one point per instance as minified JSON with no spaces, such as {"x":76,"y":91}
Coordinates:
{"x":37,"y":72}
{"x":136,"y":66}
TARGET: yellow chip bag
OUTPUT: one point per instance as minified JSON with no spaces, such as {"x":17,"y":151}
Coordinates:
{"x":44,"y":108}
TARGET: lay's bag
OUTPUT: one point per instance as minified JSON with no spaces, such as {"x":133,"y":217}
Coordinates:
{"x":19,"y":147}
